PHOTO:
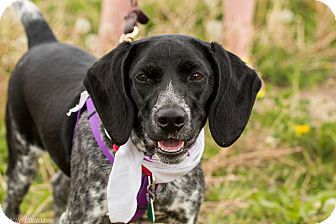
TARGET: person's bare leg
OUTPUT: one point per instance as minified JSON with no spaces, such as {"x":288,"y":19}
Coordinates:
{"x":238,"y":26}
{"x":111,"y":23}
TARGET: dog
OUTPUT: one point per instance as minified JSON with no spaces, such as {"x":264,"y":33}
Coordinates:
{"x":157,"y":91}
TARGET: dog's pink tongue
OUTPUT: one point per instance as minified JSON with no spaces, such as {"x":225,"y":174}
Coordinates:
{"x":171,"y":145}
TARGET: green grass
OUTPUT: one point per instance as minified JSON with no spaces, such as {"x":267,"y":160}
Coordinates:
{"x":274,"y":173}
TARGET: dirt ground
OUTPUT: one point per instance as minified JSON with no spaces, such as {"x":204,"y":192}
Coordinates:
{"x":322,"y":101}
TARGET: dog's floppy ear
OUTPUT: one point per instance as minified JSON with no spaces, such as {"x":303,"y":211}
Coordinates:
{"x":237,"y":86}
{"x":105,"y":82}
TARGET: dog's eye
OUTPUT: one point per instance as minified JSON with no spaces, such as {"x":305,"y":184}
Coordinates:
{"x":143,"y":78}
{"x":196,"y":77}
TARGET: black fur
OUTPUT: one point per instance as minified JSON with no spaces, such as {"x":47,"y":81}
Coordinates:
{"x":105,"y":82}
{"x":44,"y":85}
{"x":237,"y":88}
{"x":129,"y":86}
{"x":36,"y":35}
{"x":36,"y":28}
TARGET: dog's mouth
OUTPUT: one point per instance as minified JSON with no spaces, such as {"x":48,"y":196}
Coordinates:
{"x":170,"y":145}
{"x":171,"y":150}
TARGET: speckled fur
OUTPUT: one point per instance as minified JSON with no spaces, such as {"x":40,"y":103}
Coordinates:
{"x":22,"y":173}
{"x":82,"y":199}
{"x":176,"y":202}
{"x":48,"y":80}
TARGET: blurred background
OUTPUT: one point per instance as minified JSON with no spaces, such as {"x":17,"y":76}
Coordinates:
{"x":282,"y":169}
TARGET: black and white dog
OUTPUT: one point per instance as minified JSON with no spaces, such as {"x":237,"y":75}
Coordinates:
{"x":158,"y":89}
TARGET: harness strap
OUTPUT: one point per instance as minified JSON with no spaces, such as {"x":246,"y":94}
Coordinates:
{"x":94,"y":120}
{"x":94,"y":123}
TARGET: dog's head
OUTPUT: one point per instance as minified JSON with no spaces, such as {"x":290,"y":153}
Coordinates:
{"x":161,"y":90}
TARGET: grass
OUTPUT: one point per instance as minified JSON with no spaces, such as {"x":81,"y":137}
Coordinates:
{"x":282,"y":169}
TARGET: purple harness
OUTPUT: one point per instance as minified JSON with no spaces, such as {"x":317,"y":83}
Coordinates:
{"x":142,"y":198}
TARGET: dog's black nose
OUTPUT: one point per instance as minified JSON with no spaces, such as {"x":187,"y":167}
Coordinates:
{"x":171,"y":119}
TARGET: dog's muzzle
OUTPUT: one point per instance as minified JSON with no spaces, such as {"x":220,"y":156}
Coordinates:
{"x":171,"y":120}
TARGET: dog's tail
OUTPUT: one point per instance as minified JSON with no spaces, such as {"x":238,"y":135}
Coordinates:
{"x":37,"y":29}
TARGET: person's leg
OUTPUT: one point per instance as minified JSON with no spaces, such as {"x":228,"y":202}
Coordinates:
{"x":238,"y":26}
{"x":111,"y":23}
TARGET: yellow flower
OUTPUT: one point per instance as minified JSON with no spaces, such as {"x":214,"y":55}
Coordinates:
{"x":301,"y":129}
{"x":261,"y":93}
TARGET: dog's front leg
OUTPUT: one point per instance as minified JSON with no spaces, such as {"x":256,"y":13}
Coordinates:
{"x":179,"y":201}
{"x":89,"y":175}
{"x":87,"y":198}
{"x":61,"y":189}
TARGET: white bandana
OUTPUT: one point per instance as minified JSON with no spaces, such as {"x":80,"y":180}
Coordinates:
{"x":125,"y":178}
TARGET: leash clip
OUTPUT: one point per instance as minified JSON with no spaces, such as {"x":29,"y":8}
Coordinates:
{"x":129,"y":37}
{"x":151,"y":187}
{"x":151,"y":198}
